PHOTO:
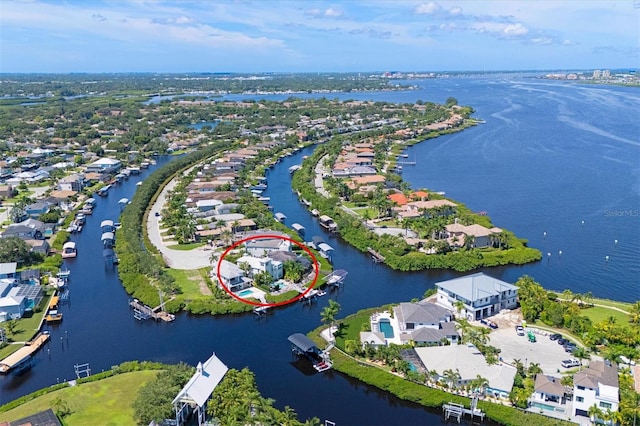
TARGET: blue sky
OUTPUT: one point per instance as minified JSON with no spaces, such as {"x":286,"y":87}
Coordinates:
{"x":308,"y":36}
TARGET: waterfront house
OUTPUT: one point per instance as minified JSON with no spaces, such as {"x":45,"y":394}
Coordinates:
{"x":468,"y":362}
{"x":481,"y":295}
{"x":39,"y":246}
{"x":549,"y":394}
{"x":270,"y":242}
{"x":74,"y":182}
{"x":477,"y":235}
{"x":15,"y":299}
{"x":425,"y":323}
{"x":29,"y":229}
{"x":597,"y":384}
{"x":104,"y":166}
{"x":262,"y":264}
{"x":232,"y":276}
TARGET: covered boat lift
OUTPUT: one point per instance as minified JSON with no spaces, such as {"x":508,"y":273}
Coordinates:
{"x":301,"y":345}
{"x":298,"y":228}
{"x":280,"y":217}
{"x":325,"y":250}
{"x":69,"y":250}
{"x":108,"y":238}
{"x":107,"y":226}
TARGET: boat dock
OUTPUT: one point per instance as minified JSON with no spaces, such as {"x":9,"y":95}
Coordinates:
{"x":375,"y":256}
{"x":24,"y":353}
{"x":143,"y":312}
{"x":337,"y":277}
{"x":458,"y":411}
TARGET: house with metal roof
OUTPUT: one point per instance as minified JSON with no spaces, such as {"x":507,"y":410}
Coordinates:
{"x":193,"y":397}
{"x":232,"y":276}
{"x":481,"y":295}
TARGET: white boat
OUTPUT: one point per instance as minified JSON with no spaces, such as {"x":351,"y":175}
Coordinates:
{"x":315,"y":212}
{"x":69,"y":250}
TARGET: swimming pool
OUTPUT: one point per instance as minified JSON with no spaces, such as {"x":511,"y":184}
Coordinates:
{"x":385,"y":328}
{"x":547,"y":407}
{"x":245,"y":293}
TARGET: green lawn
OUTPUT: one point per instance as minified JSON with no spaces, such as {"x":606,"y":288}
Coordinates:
{"x":606,"y":302}
{"x":189,"y":282}
{"x":598,"y":314}
{"x":104,"y":402}
{"x":353,"y":325}
{"x":186,"y":247}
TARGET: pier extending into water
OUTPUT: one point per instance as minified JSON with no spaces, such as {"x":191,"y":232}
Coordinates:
{"x":375,"y":256}
{"x":453,"y":409}
{"x":23,"y":354}
{"x":143,"y":312}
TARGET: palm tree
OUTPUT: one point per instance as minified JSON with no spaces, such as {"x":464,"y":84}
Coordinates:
{"x":463,"y":326}
{"x":534,"y":368}
{"x":634,"y":314}
{"x":479,"y":384}
{"x":328,"y":314}
{"x":451,"y":376}
{"x":595,"y":413}
{"x":459,"y":305}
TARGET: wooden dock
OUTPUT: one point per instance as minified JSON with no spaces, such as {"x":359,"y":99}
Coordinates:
{"x":143,"y":312}
{"x":24,"y":353}
{"x":375,"y":256}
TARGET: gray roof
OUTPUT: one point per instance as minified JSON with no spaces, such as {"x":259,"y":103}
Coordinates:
{"x":549,"y":385}
{"x":8,"y":268}
{"x":475,"y":286}
{"x":230,"y":270}
{"x":603,"y":372}
{"x":201,"y":385}
{"x":302,"y":342}
{"x":426,"y":313}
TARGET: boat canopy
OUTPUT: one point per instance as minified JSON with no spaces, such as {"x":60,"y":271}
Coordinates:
{"x":69,"y":245}
{"x":280,"y":216}
{"x":325,"y":247}
{"x":317,"y":240}
{"x":297,"y":227}
{"x":123,"y":201}
{"x":108,"y":236}
{"x":106,"y":223}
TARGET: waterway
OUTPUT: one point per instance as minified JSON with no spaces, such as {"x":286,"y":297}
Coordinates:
{"x":576,"y":166}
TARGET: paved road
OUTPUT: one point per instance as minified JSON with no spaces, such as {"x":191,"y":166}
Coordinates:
{"x":176,"y":259}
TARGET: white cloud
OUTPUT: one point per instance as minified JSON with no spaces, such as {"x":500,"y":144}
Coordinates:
{"x":499,"y":29}
{"x":332,"y":13}
{"x":427,"y":8}
{"x":455,"y":10}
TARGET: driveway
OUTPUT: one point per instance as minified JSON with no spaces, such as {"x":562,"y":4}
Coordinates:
{"x":176,"y":259}
{"x":548,"y":353}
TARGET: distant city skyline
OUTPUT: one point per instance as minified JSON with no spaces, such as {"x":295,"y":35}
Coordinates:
{"x":317,"y":36}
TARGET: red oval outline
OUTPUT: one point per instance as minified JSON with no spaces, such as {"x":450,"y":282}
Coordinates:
{"x":260,"y":237}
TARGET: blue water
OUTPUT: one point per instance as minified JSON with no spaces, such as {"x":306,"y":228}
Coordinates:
{"x":386,"y":328}
{"x":202,"y":124}
{"x":550,"y":155}
{"x":245,"y":293}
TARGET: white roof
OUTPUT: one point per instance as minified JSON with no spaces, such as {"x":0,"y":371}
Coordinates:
{"x":469,"y":362}
{"x":106,"y":223}
{"x":106,"y":161}
{"x":69,"y":244}
{"x":324,"y":247}
{"x":201,"y":385}
{"x":230,"y":270}
{"x":8,"y":268}
{"x":475,"y":286}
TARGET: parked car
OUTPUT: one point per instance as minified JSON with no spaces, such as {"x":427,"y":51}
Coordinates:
{"x":489,"y":323}
{"x":561,"y":341}
{"x":555,"y":336}
{"x":520,"y":330}
{"x":572,"y":362}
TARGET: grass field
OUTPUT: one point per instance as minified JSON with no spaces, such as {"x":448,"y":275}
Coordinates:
{"x":599,"y":314}
{"x":186,"y":246}
{"x":189,"y":281}
{"x":104,"y":402}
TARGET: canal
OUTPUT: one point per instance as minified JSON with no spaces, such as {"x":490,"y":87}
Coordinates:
{"x":99,"y":327}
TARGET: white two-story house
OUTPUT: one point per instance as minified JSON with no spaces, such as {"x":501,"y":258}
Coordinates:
{"x":597,"y":384}
{"x":481,"y":295}
{"x":232,"y":276}
{"x":262,"y":264}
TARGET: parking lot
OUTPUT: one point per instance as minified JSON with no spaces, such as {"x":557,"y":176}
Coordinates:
{"x":548,"y":353}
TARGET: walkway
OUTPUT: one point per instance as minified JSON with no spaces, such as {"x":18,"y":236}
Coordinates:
{"x":319,"y":183}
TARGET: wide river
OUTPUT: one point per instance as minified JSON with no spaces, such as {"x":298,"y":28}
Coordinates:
{"x":550,"y":156}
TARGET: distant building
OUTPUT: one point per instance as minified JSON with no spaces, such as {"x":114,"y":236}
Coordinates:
{"x":104,"y":165}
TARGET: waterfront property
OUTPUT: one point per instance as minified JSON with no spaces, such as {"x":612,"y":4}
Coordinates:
{"x":232,"y":276}
{"x":549,"y":394}
{"x":468,"y":362}
{"x":596,"y":385}
{"x":193,"y":397}
{"x":69,"y":250}
{"x":481,"y":295}
{"x":262,"y":264}
{"x":301,"y":345}
{"x":425,"y":323}
{"x":262,"y":246}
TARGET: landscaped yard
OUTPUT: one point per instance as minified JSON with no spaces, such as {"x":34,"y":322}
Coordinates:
{"x":191,"y":282}
{"x":107,"y":402}
{"x":599,"y":314}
